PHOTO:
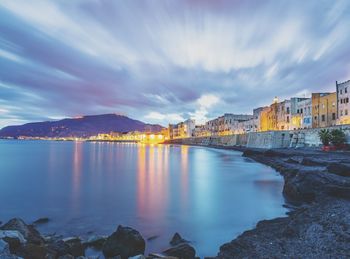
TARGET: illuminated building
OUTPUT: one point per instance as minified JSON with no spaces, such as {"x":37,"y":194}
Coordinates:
{"x":304,"y":113}
{"x":324,"y":109}
{"x":343,"y":104}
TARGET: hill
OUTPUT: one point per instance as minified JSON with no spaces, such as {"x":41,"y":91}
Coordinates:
{"x":79,"y":127}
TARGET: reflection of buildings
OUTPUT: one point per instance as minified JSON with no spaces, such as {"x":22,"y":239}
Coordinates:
{"x":343,"y":104}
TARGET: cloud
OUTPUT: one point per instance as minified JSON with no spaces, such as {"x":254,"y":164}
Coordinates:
{"x":166,"y":60}
{"x":158,"y":117}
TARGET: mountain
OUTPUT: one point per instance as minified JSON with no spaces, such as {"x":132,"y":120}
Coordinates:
{"x":79,"y":127}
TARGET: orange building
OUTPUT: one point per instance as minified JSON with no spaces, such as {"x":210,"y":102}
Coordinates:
{"x":324,"y":109}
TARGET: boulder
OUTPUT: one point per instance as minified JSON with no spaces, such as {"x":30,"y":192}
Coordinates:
{"x":177,"y":239}
{"x":183,"y":251}
{"x":28,"y":231}
{"x":138,"y":257}
{"x":96,"y":242}
{"x":13,"y":238}
{"x":32,"y":251}
{"x":58,"y":247}
{"x":4,"y":248}
{"x":126,"y":242}
{"x":74,"y":246}
{"x":339,"y":169}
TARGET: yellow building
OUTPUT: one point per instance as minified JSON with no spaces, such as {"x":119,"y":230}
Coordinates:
{"x":324,"y":109}
{"x":268,"y":117}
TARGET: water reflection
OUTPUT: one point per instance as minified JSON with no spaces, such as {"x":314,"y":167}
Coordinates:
{"x":207,"y":195}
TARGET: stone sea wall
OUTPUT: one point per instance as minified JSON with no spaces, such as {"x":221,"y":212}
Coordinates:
{"x":268,"y":139}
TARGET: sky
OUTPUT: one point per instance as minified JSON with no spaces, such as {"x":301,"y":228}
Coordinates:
{"x":165,"y":61}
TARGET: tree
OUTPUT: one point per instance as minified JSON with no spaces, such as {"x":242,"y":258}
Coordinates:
{"x":325,"y":136}
{"x":338,"y":137}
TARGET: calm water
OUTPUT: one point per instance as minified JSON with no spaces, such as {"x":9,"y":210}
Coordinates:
{"x":209,"y":196}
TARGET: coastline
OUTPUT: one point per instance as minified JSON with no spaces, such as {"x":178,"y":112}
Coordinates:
{"x":317,"y":187}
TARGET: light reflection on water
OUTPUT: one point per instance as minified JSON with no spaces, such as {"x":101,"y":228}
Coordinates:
{"x":207,"y":195}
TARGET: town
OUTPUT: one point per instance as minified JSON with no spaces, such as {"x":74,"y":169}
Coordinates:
{"x":318,"y":111}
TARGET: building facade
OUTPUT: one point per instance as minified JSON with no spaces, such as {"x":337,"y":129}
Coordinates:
{"x":304,"y":112}
{"x":324,"y":109}
{"x":343,"y":104}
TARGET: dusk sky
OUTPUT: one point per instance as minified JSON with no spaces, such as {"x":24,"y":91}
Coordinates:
{"x":166,"y":61}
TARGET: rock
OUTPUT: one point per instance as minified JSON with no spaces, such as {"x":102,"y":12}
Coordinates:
{"x":13,"y":238}
{"x":28,"y":231}
{"x":74,"y":246}
{"x":67,"y":256}
{"x":183,"y":251}
{"x":177,"y":239}
{"x":32,"y":251}
{"x":312,"y":162}
{"x":126,"y":242}
{"x":41,"y":221}
{"x":4,"y":247}
{"x":96,"y":242}
{"x":339,"y":169}
{"x":138,"y":257}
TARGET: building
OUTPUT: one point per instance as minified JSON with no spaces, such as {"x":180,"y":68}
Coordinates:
{"x":227,"y":124}
{"x":283,"y":115}
{"x":343,"y":104}
{"x":304,"y":114}
{"x":324,"y":109}
{"x":182,"y":130}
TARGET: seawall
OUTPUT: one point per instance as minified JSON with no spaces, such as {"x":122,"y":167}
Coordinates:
{"x":267,"y":139}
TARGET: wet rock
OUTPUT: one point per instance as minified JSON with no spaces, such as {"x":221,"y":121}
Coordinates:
{"x":312,"y":162}
{"x":14,"y":239}
{"x":74,"y":246}
{"x":4,"y":248}
{"x":137,"y":257}
{"x":183,"y":251}
{"x":67,"y":256}
{"x":339,"y":169}
{"x":41,"y":221}
{"x":177,"y":239}
{"x":126,"y":242}
{"x":28,"y":231}
{"x":32,"y":251}
{"x":96,"y":242}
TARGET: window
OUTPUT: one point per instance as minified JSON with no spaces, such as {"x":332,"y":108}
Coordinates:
{"x":288,"y":119}
{"x":287,"y":110}
{"x":333,"y":116}
{"x":341,"y":91}
{"x":341,"y":112}
{"x":346,"y":90}
{"x":323,"y":117}
{"x":346,"y":112}
{"x":298,"y":111}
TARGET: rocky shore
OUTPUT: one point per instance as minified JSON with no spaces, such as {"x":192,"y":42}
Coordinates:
{"x":20,"y":240}
{"x":317,"y":188}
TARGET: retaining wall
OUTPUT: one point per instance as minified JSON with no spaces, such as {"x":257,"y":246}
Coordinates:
{"x":268,"y":139}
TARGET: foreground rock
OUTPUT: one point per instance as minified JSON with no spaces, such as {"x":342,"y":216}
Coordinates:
{"x":28,"y":231}
{"x":320,"y":226}
{"x":177,"y":239}
{"x":183,"y":251}
{"x":125,"y":242}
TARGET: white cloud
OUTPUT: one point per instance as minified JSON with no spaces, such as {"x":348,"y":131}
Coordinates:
{"x":164,"y":117}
